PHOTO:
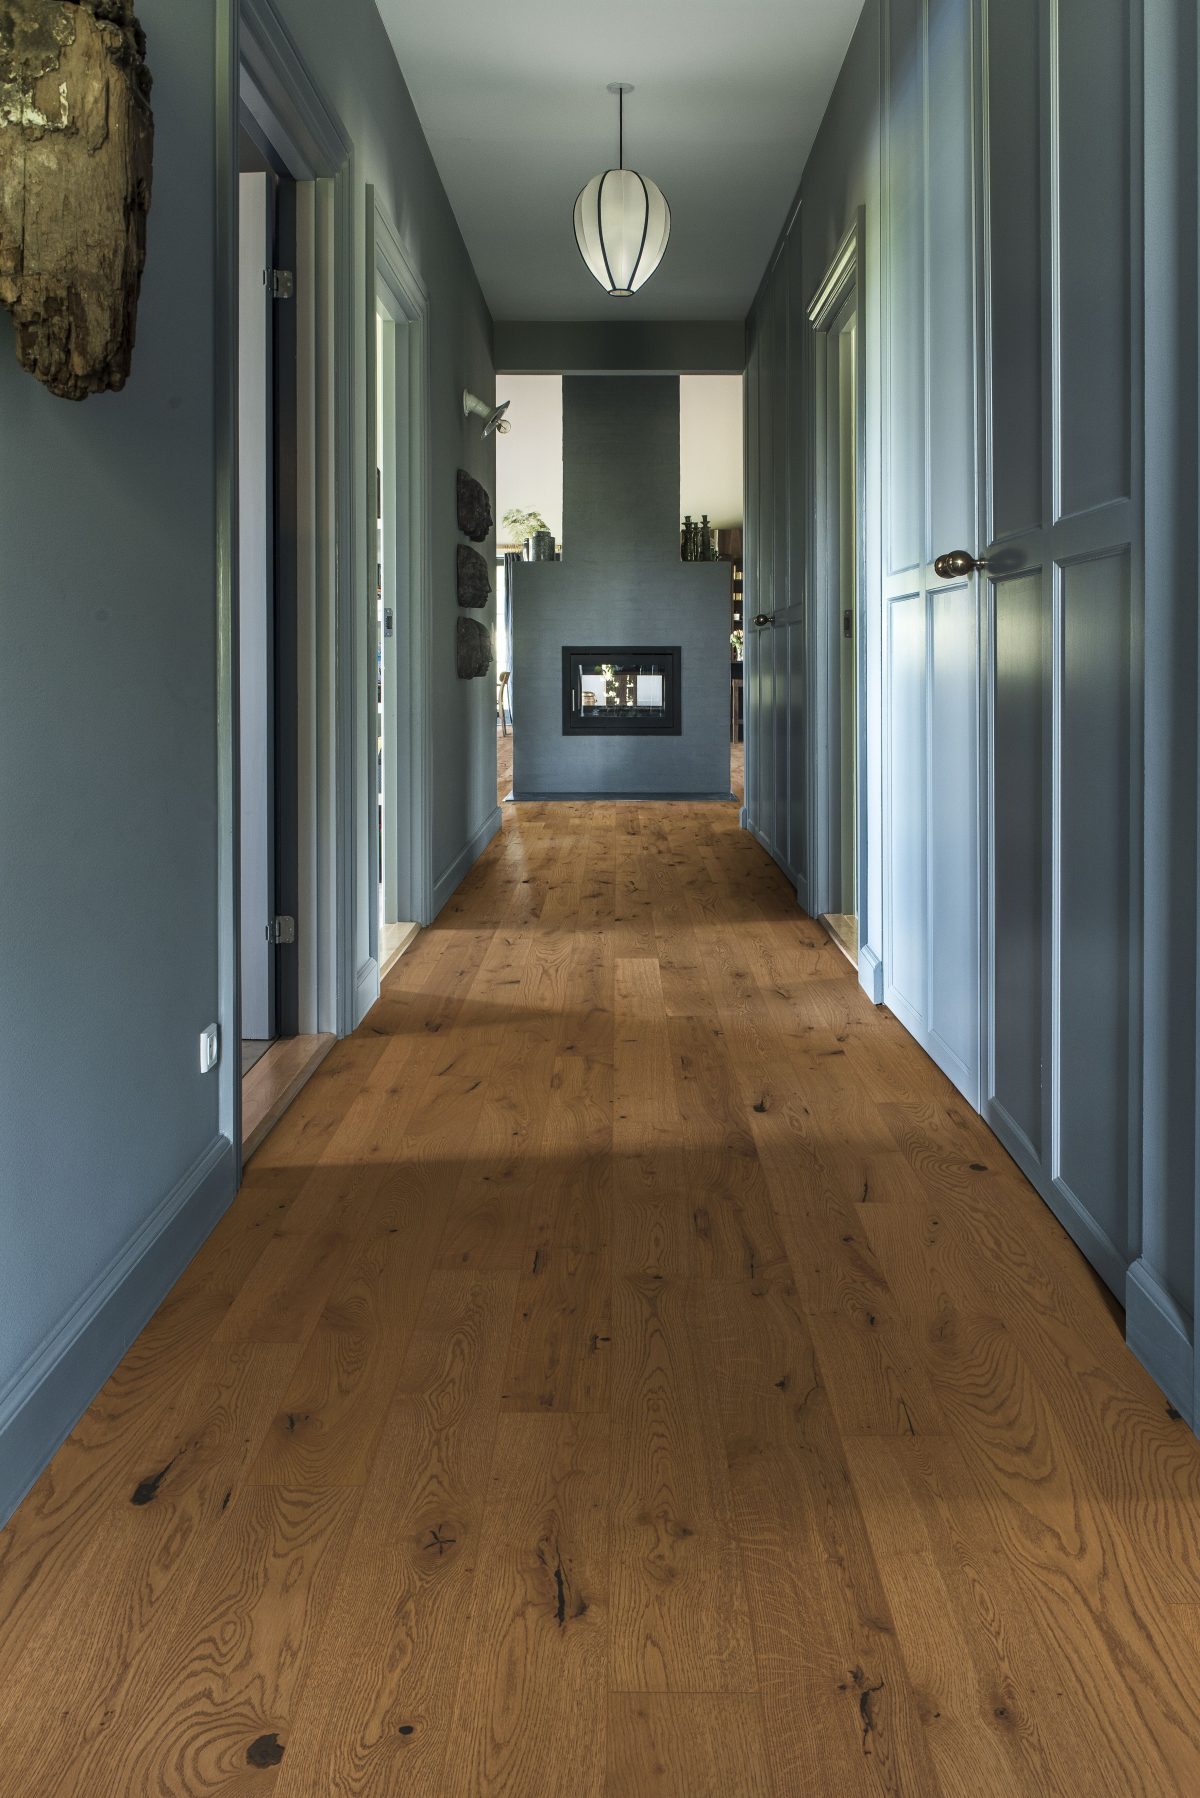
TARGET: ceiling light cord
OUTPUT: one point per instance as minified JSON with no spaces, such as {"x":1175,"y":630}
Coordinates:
{"x":621,"y":129}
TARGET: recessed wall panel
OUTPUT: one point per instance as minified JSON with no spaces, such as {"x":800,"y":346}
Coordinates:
{"x":1020,"y":793}
{"x":1094,"y":857}
{"x":1013,"y":229}
{"x":1092,"y":145}
{"x":904,"y":310}
{"x":953,"y":837}
{"x":906,"y":962}
{"x":950,"y":279}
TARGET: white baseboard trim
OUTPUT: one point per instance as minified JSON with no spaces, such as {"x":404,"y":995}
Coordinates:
{"x":1160,"y":1335}
{"x":448,"y":883}
{"x":870,"y":974}
{"x":45,"y":1398}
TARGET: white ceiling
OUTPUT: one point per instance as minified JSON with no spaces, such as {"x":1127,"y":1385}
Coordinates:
{"x":729,"y":94}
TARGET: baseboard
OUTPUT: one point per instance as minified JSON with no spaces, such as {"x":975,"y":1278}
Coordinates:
{"x":45,"y":1399}
{"x":1160,"y":1335}
{"x":870,"y":974}
{"x":1093,"y":1243}
{"x":366,"y":989}
{"x":447,"y":884}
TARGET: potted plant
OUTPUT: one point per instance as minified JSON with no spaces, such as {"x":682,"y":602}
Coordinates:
{"x":531,"y":529}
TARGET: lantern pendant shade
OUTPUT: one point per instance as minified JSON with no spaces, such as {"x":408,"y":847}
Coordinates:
{"x":622,"y":223}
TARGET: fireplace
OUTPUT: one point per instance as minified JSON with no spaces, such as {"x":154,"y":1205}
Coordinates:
{"x":621,"y":692}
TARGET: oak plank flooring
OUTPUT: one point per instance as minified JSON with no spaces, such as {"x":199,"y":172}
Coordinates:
{"x":628,"y":1368}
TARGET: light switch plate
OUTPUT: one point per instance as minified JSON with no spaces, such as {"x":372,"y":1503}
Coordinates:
{"x":210,"y":1048}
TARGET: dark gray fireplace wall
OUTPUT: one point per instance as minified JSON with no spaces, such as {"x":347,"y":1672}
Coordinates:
{"x":621,"y":468}
{"x":621,"y":583}
{"x":557,"y":605}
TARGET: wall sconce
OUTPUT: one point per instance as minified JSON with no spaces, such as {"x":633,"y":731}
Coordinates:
{"x":492,"y":416}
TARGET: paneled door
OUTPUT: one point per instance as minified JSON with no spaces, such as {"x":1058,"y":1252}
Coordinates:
{"x":932,"y":636}
{"x":1063,"y":523}
{"x":775,"y":649}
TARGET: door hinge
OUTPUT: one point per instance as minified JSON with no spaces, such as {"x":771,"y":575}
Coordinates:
{"x":281,"y":283}
{"x":281,"y":930}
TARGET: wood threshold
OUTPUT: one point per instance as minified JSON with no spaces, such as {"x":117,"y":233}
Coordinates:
{"x":274,"y":1081}
{"x":844,"y":930}
{"x":394,"y":940}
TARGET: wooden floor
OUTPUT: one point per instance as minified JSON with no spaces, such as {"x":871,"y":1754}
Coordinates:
{"x":628,"y":1369}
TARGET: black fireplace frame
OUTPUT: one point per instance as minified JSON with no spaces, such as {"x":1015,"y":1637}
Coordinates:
{"x":612,"y":724}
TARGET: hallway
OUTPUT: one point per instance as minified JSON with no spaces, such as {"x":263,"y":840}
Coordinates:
{"x":628,"y":1368}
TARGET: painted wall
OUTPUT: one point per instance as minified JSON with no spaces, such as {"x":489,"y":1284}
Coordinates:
{"x":1128,"y":931}
{"x":621,"y":582}
{"x":842,"y":175}
{"x":350,"y":54}
{"x":112,"y":1165}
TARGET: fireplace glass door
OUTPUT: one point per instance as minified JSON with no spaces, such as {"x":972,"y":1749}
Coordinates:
{"x":621,"y":692}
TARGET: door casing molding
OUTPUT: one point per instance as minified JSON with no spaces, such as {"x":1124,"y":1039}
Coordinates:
{"x":395,"y":286}
{"x":259,"y":65}
{"x":842,"y":288}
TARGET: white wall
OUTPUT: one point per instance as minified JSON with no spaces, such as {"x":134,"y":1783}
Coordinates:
{"x":710,"y":448}
{"x":529,"y":471}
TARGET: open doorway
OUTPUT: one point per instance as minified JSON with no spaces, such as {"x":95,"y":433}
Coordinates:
{"x":711,"y":511}
{"x":392,"y":396}
{"x":286,"y":1026}
{"x":837,"y":589}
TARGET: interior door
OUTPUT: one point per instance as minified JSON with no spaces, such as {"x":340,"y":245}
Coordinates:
{"x":1063,"y":551}
{"x":775,"y":628}
{"x":932,"y":635}
{"x":759,"y":614}
{"x":256,"y":624}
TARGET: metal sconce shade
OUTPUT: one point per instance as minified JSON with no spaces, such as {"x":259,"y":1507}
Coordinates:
{"x":622,"y":223}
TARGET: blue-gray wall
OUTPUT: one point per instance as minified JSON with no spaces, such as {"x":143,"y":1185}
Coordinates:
{"x":621,"y":583}
{"x":112,"y":1166}
{"x":1145,"y":973}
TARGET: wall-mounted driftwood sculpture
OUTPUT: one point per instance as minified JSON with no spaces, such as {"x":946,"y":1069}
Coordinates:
{"x":474,"y":508}
{"x":474,"y":646}
{"x":474,"y":587}
{"x":76,"y":152}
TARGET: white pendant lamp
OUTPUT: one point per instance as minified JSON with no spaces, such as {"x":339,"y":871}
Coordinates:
{"x":622,"y":221}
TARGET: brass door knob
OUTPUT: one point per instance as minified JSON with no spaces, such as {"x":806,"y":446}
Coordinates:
{"x":957,"y":565}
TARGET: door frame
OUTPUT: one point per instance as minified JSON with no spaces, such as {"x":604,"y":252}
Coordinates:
{"x":395,"y":288}
{"x":259,"y":65}
{"x":842,"y":286}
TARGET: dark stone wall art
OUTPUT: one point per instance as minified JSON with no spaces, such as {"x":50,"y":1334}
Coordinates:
{"x":474,"y":646}
{"x":474,"y":508}
{"x":474,"y":587}
{"x":76,"y":148}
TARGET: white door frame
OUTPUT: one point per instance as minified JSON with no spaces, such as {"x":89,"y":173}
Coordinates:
{"x":395,"y":290}
{"x":260,"y":66}
{"x":842,"y":288}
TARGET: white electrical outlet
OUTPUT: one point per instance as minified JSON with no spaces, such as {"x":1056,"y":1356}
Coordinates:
{"x":210,"y":1048}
